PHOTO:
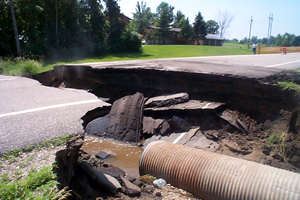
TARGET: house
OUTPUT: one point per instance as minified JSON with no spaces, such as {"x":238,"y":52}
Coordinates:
{"x":213,"y":40}
{"x":150,"y":38}
{"x":125,"y":19}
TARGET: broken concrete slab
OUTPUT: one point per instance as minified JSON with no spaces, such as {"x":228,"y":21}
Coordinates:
{"x":155,"y":126}
{"x":167,"y":100}
{"x":192,"y":105}
{"x":124,"y":121}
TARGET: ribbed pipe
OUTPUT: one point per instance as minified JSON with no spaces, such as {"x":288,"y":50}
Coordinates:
{"x":213,"y":176}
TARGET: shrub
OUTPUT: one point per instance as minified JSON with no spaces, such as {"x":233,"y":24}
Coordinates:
{"x":131,"y":41}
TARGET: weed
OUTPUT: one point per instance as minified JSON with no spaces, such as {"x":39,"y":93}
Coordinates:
{"x":277,"y":142}
{"x":290,"y":86}
{"x":37,"y":185}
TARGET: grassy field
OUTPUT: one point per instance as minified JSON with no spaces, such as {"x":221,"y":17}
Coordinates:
{"x":23,"y":67}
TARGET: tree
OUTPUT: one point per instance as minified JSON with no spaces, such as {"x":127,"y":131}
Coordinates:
{"x":142,"y":18}
{"x":212,"y":26}
{"x":116,"y":26}
{"x":186,"y":32}
{"x":178,"y":19}
{"x":164,"y":19}
{"x":14,"y":24}
{"x":224,"y":22}
{"x":200,"y":29}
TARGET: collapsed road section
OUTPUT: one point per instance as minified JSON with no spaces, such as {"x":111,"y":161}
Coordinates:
{"x":235,"y":115}
{"x":246,"y":94}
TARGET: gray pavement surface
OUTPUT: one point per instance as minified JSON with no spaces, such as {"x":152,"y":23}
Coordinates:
{"x":31,"y":113}
{"x":251,"y":66}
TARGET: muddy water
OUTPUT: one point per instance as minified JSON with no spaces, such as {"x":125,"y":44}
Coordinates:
{"x":124,"y":156}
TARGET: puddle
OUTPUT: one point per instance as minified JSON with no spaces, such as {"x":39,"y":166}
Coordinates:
{"x":124,"y":156}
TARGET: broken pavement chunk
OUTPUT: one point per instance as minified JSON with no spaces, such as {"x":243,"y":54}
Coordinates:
{"x":233,"y":119}
{"x":124,"y":121}
{"x":190,"y":105}
{"x":167,"y":100}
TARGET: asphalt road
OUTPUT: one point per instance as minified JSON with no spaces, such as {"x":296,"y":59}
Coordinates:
{"x":31,"y":113}
{"x":251,"y":66}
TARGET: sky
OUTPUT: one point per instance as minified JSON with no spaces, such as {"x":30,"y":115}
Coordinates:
{"x":286,"y":14}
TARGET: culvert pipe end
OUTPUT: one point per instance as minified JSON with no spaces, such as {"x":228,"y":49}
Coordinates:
{"x":214,"y":176}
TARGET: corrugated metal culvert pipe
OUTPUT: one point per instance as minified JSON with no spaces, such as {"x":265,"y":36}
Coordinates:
{"x":214,"y":176}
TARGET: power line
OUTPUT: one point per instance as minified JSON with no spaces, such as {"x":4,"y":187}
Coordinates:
{"x":251,"y":21}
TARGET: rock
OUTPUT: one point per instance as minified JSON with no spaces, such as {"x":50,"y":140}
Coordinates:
{"x":103,"y":155}
{"x":167,"y":100}
{"x":155,"y":126}
{"x":113,"y":181}
{"x":124,"y":121}
{"x":148,"y":189}
{"x":159,"y":183}
{"x":158,"y":194}
{"x":192,"y":105}
{"x":131,"y":189}
{"x":138,"y":183}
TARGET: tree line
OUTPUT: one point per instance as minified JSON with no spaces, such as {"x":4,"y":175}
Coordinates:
{"x":165,"y":19}
{"x":59,"y":28}
{"x":286,"y":39}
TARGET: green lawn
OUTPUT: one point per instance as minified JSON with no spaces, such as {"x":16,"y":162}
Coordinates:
{"x":21,"y":67}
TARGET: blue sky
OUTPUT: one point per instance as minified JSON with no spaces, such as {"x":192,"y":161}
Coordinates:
{"x":286,"y":14}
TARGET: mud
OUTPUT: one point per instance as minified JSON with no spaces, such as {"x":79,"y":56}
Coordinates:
{"x":125,"y":156}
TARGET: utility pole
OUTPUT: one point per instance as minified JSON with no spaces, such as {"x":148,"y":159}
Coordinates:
{"x":251,"y":21}
{"x":270,"y":25}
{"x":56,"y":23}
{"x":15,"y":28}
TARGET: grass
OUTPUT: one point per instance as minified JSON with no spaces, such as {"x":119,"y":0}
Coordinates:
{"x":19,"y":66}
{"x":38,"y":185}
{"x":297,"y":70}
{"x":25,"y":67}
{"x":12,"y":155}
{"x":289,"y":85}
{"x":277,"y":143}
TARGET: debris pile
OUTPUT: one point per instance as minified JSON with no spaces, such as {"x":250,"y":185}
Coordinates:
{"x":203,"y":124}
{"x":90,"y":177}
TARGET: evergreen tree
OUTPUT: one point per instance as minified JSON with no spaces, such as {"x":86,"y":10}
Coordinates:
{"x":200,"y":28}
{"x":142,"y":18}
{"x":116,"y":26}
{"x":165,"y":18}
